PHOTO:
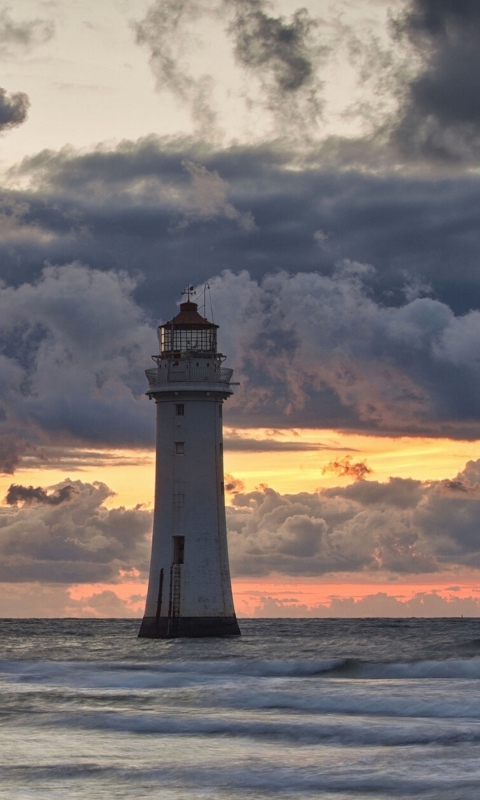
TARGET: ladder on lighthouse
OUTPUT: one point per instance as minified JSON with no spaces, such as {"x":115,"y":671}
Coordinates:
{"x":174,"y":604}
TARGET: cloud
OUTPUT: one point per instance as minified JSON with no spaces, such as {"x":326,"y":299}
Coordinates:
{"x":208,"y":198}
{"x":13,"y":109}
{"x":440,"y":115}
{"x":120,"y":209}
{"x":400,"y":493}
{"x":23,"y":36}
{"x":73,"y":458}
{"x":321,"y":350}
{"x":423,"y":604}
{"x":242,"y":444}
{"x":342,"y":338}
{"x":165,"y":32}
{"x":344,"y":467}
{"x":401,"y":527}
{"x":233,"y":485}
{"x":282,"y":56}
{"x":106,"y":604}
{"x":65,"y":534}
{"x":28,"y":494}
{"x":36,"y":600}
{"x":12,"y":450}
{"x":69,"y":372}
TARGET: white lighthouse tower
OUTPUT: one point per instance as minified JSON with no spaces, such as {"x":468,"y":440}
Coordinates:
{"x":189,"y":590}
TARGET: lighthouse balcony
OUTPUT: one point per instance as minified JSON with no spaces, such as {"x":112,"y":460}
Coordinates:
{"x":186,"y":372}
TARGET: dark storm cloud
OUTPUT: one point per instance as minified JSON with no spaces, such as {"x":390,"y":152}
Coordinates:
{"x":126,"y":209}
{"x":440,"y":118}
{"x":403,"y":526}
{"x":13,"y":109}
{"x":324,"y":330}
{"x":29,"y":494}
{"x":78,"y":541}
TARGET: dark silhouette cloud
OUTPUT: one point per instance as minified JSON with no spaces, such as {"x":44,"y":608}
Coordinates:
{"x":346,"y":468}
{"x":28,"y":494}
{"x":233,"y":485}
{"x":13,"y":109}
{"x":455,"y":486}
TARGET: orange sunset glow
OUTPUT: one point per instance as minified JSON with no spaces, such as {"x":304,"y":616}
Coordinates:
{"x":130,"y":476}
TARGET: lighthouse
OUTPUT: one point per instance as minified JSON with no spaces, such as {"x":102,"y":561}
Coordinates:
{"x":189,"y":590}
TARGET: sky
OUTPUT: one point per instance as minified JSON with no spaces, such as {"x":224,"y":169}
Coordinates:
{"x":314,"y":171}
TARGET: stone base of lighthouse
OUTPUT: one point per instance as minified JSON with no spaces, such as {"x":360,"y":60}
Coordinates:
{"x":193,"y":627}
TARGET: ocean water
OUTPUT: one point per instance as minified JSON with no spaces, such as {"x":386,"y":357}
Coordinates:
{"x":300,"y":709}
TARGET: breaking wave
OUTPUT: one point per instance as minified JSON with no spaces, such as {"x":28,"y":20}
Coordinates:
{"x":148,"y":675}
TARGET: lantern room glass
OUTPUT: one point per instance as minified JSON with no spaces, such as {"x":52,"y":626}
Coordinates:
{"x":183,"y":340}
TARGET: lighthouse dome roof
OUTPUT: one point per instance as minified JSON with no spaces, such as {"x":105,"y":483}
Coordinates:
{"x":188,"y":316}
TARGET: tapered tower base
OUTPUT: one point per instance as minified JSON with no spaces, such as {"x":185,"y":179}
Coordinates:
{"x":193,"y":627}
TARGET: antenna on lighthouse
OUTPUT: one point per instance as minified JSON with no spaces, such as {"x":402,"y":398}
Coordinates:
{"x":203,"y":306}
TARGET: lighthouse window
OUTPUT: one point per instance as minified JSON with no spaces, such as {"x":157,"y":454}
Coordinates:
{"x":179,"y":448}
{"x":180,"y":409}
{"x":178,"y":549}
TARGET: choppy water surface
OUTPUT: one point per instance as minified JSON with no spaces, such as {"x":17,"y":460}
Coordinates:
{"x":337,"y":709}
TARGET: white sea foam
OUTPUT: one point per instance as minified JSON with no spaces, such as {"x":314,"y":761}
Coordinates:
{"x":332,"y":728}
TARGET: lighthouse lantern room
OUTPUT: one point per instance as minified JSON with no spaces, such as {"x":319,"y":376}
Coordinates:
{"x":189,"y":591}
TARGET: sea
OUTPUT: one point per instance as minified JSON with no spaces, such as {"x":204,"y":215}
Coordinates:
{"x":320,"y":708}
